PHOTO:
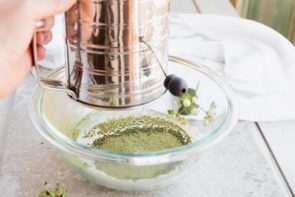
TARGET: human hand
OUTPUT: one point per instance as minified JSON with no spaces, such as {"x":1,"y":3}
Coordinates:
{"x":17,"y":24}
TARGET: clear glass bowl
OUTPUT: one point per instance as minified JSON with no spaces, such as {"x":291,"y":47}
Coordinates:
{"x":57,"y":116}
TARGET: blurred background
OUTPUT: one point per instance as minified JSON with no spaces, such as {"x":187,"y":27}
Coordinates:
{"x":278,"y":14}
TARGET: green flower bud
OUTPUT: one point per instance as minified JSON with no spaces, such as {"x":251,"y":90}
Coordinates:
{"x":195,"y":100}
{"x":194,"y":111}
{"x":211,"y":113}
{"x":206,"y":121}
{"x":186,"y":103}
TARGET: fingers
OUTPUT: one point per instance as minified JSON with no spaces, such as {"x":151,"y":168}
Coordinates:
{"x":45,"y":24}
{"x":41,"y":52}
{"x":44,"y":37}
{"x":39,"y":9}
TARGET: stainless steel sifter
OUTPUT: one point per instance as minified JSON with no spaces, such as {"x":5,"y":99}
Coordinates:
{"x":116,"y":52}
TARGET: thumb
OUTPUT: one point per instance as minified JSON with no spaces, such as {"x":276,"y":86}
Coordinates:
{"x":39,"y":9}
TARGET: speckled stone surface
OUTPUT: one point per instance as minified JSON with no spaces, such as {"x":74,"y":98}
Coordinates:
{"x":235,"y":167}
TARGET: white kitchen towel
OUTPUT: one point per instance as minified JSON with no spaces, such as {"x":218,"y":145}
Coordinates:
{"x":255,"y":60}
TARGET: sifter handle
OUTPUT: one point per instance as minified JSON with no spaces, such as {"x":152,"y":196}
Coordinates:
{"x":45,"y":82}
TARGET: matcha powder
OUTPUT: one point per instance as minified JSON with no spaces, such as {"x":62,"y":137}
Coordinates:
{"x":137,"y":134}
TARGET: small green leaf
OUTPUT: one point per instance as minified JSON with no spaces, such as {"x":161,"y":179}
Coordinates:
{"x":170,"y":111}
{"x":192,"y":92}
{"x":184,"y":110}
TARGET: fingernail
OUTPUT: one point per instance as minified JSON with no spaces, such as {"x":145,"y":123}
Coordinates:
{"x":40,"y":23}
{"x":45,"y":37}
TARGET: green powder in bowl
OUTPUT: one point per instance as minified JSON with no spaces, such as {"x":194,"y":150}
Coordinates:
{"x":133,"y":134}
{"x":137,"y":134}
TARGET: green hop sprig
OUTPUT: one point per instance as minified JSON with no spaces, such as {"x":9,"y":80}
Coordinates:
{"x":189,"y":105}
{"x":210,"y":114}
{"x":59,"y":191}
{"x":181,"y":119}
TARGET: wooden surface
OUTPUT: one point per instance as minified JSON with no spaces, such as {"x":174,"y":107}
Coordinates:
{"x":281,"y":138}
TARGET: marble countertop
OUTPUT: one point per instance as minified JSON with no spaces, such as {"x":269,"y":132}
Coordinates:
{"x":235,"y":167}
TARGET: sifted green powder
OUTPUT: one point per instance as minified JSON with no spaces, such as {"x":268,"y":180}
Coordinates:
{"x":139,"y":134}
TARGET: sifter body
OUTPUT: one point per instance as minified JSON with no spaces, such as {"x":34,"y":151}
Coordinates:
{"x":106,"y":63}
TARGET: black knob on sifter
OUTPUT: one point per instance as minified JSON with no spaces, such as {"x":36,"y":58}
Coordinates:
{"x":176,"y":85}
